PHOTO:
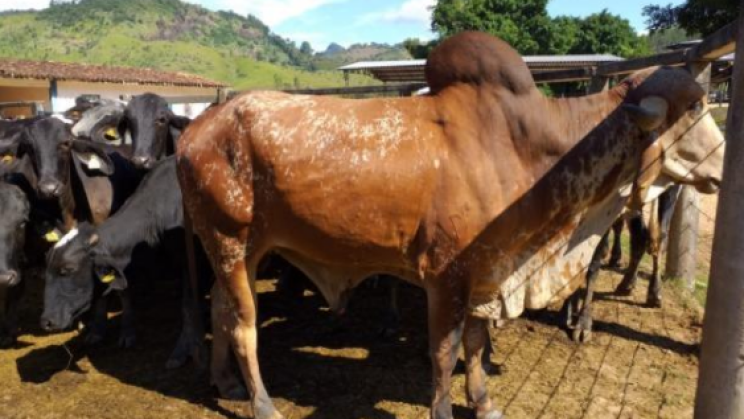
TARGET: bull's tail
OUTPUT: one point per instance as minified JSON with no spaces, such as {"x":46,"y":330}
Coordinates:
{"x":214,"y":172}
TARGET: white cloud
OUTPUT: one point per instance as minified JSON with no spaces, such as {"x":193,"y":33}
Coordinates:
{"x":25,"y":5}
{"x":272,"y":12}
{"x":411,"y":11}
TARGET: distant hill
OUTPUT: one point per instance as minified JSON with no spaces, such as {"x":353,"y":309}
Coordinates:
{"x":170,"y":35}
{"x":336,"y":55}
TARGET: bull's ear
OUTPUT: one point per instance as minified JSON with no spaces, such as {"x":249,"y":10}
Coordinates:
{"x":93,"y":156}
{"x":650,"y":113}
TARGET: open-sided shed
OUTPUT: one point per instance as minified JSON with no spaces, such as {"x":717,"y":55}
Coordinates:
{"x":53,"y":86}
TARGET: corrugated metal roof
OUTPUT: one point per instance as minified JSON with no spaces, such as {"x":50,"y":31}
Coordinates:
{"x":49,"y":70}
{"x":531,"y":60}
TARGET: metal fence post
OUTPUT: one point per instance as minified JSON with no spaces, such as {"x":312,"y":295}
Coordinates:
{"x":720,"y":392}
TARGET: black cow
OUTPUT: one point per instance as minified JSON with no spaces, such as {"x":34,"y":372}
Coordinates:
{"x":154,"y":129}
{"x":90,"y":262}
{"x":15,"y":209}
{"x":642,"y":239}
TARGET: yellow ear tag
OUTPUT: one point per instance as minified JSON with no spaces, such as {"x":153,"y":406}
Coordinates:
{"x":52,"y":236}
{"x":108,"y":278}
{"x":111,"y":134}
{"x":7,"y":159}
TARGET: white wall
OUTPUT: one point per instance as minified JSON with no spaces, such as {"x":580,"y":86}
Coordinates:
{"x":68,"y":91}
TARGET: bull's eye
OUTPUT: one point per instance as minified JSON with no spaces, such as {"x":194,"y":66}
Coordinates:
{"x":697,"y":107}
{"x":22,"y":225}
{"x":66,"y":271}
{"x":161,"y":120}
{"x":65,"y":145}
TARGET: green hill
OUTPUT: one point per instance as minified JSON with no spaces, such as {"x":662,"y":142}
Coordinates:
{"x":164,"y":34}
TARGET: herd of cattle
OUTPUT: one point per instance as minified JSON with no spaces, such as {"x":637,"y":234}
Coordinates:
{"x":488,"y":195}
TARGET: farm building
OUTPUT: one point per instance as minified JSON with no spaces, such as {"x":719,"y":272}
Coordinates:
{"x":409,"y":71}
{"x":26,"y":86}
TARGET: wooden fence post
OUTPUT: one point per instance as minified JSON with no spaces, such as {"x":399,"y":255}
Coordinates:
{"x":720,"y":392}
{"x":681,"y":262}
{"x":599,"y":84}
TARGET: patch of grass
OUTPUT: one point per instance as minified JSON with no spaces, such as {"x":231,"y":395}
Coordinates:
{"x":720,"y":115}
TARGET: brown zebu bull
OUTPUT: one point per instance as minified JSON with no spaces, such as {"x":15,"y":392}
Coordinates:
{"x":487,"y":194}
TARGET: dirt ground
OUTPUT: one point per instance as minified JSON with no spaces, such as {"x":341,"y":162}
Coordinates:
{"x":641,"y":363}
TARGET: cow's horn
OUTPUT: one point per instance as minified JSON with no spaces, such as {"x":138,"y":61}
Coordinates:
{"x":93,"y":240}
{"x":650,"y":114}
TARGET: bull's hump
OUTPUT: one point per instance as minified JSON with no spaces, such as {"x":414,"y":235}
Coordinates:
{"x":478,"y":59}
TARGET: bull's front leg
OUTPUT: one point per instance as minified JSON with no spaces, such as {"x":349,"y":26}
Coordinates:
{"x":583,"y":329}
{"x":191,"y":340}
{"x":446,"y":312}
{"x":477,"y":343}
{"x":638,"y":241}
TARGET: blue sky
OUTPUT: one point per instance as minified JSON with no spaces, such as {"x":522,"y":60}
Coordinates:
{"x":387,"y":21}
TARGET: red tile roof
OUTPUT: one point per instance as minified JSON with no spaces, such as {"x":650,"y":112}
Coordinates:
{"x":49,"y":70}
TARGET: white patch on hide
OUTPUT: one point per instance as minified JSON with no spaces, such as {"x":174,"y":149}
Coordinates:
{"x":66,"y":238}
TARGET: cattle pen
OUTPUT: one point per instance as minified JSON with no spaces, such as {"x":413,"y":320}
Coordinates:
{"x":641,"y":362}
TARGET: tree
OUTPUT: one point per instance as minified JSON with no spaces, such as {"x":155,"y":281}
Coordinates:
{"x":524,"y":24}
{"x":527,"y":27}
{"x":694,"y":16}
{"x":565,"y":34}
{"x":306,"y":48}
{"x":417,"y":49}
{"x":605,"y":33}
{"x":661,"y":39}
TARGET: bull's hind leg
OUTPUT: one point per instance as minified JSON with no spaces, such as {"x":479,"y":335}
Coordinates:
{"x":476,"y":340}
{"x":240,"y":312}
{"x":223,"y":376}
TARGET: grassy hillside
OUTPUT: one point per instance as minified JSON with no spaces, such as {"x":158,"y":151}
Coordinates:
{"x":163,"y":34}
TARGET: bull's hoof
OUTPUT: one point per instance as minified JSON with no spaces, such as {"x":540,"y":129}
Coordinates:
{"x":613,"y":263}
{"x":653,"y":301}
{"x":582,"y":332}
{"x":265,"y":410}
{"x":493,"y":414}
{"x":624,"y":290}
{"x":581,"y":335}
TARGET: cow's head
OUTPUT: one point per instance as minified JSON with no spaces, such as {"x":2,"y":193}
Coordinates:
{"x":71,"y":278}
{"x":51,"y":145}
{"x":14,"y":208}
{"x":154,"y":128}
{"x":668,"y":103}
{"x":101,"y":123}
